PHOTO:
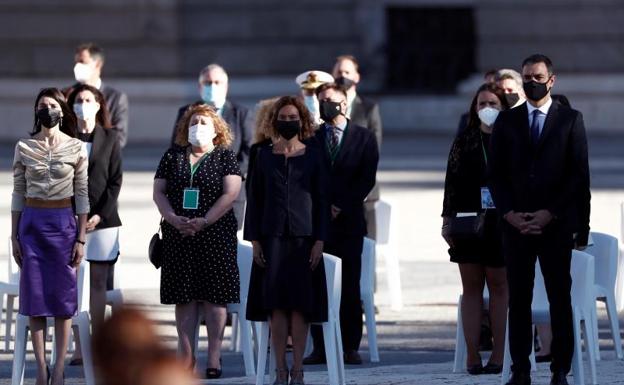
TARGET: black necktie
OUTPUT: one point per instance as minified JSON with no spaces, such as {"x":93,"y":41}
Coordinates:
{"x":535,"y":131}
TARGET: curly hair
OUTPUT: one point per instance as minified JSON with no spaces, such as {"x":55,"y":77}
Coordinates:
{"x":263,"y":123}
{"x":307,"y":125}
{"x":224,"y":134}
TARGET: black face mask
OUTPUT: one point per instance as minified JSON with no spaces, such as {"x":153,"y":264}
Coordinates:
{"x":344,"y":83}
{"x":48,"y":117}
{"x":288,"y":128}
{"x":512,"y":99}
{"x":329,"y":110}
{"x":535,"y":91}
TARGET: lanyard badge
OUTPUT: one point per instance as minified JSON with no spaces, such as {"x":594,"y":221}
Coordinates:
{"x":190,"y":199}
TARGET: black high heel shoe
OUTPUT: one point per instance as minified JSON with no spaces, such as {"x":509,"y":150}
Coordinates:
{"x":215,"y":372}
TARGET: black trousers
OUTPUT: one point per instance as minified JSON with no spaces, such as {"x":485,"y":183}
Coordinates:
{"x":554,"y":250}
{"x":349,"y":250}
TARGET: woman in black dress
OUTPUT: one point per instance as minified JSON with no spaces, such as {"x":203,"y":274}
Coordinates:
{"x":194,"y":188}
{"x":287,"y":219}
{"x":479,"y":259}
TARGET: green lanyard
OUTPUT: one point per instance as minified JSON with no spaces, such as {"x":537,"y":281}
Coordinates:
{"x":483,"y":148}
{"x":195,"y":167}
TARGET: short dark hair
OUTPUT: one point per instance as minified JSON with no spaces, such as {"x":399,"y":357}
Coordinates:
{"x":329,"y":86}
{"x":307,"y":123}
{"x":95,"y":51}
{"x":490,"y":72}
{"x":539,"y":58}
{"x":351,"y":58}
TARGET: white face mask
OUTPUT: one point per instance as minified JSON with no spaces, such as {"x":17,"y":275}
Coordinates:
{"x":312,"y":103}
{"x":201,"y":135}
{"x":488,"y":115}
{"x":214,"y":94}
{"x":86,"y":111}
{"x":83,"y":72}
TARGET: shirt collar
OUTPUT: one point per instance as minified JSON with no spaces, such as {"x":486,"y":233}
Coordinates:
{"x":544,"y":109}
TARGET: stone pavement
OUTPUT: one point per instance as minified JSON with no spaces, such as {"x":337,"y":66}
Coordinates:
{"x":416,"y":344}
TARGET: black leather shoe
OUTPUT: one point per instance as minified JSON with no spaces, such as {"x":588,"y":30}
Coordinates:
{"x":475,"y":369}
{"x":352,"y":357}
{"x":491,"y":368}
{"x":559,"y":378}
{"x":315,"y":358}
{"x":520,"y":378}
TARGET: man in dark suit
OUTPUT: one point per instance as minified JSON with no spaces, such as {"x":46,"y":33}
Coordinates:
{"x":540,"y":184}
{"x":89,"y":60}
{"x":213,"y":88}
{"x":351,"y":156}
{"x":362,"y":112}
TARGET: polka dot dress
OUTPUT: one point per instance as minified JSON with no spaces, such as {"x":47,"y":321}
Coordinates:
{"x":202,"y":267}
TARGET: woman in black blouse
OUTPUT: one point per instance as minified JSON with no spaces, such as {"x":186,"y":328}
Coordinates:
{"x":479,"y":259}
{"x":286,"y":221}
{"x":195,"y":186}
{"x":105,"y":177}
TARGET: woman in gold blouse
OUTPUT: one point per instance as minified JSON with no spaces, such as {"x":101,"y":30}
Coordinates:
{"x":48,"y":170}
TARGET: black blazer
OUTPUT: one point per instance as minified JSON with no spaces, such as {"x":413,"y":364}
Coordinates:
{"x":287,"y":198}
{"x":351,"y":176}
{"x":105,"y":176}
{"x":117,"y":104}
{"x":554,"y":175}
{"x":241,"y":124}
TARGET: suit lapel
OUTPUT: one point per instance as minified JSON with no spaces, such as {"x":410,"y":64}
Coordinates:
{"x":549,"y":123}
{"x":95,"y":146}
{"x":227,"y":113}
{"x":356,"y":108}
{"x":525,"y":130}
{"x":322,"y":139}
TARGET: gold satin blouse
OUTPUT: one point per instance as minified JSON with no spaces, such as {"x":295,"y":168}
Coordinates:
{"x":51,"y":173}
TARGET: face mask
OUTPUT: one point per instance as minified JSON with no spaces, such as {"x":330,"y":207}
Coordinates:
{"x":83,"y":72}
{"x":48,"y":117}
{"x":329,"y":110}
{"x":214,"y":95}
{"x":201,"y":135}
{"x":86,"y":111}
{"x":344,"y":83}
{"x":488,"y":115}
{"x":311,"y":102}
{"x":288,"y":128}
{"x":535,"y":91}
{"x":512,"y":99}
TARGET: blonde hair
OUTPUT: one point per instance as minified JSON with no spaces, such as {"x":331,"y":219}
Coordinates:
{"x":262,"y":129}
{"x":224,"y":135}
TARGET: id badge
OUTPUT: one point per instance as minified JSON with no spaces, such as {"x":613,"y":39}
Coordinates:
{"x":191,"y":199}
{"x":486,"y":199}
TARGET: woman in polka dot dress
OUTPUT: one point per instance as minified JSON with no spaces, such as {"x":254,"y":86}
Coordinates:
{"x":194,"y":188}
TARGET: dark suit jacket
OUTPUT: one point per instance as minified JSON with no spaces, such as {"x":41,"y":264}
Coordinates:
{"x":554,"y":175}
{"x":105,"y":176}
{"x":117,"y":104}
{"x":288,"y":196}
{"x":241,"y":123}
{"x":365,"y":113}
{"x":351,"y":176}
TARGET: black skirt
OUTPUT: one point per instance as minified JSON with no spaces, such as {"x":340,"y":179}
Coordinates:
{"x":487,"y":251}
{"x":287,"y":282}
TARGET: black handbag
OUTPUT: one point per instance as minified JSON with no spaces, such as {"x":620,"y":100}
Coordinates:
{"x":155,"y":250}
{"x":464,"y":227}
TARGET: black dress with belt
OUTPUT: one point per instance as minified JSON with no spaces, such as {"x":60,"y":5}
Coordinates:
{"x":466,"y":174}
{"x":287,"y":211}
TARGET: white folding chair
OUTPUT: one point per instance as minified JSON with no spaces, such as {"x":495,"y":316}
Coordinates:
{"x":241,"y":327}
{"x":367,"y":279}
{"x":605,"y":251}
{"x":331,"y":329}
{"x":582,"y":272}
{"x":619,"y":285}
{"x":10,"y":290}
{"x":80,"y":322}
{"x":383,"y":212}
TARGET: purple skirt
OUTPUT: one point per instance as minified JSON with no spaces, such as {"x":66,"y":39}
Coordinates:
{"x":47,"y":280}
